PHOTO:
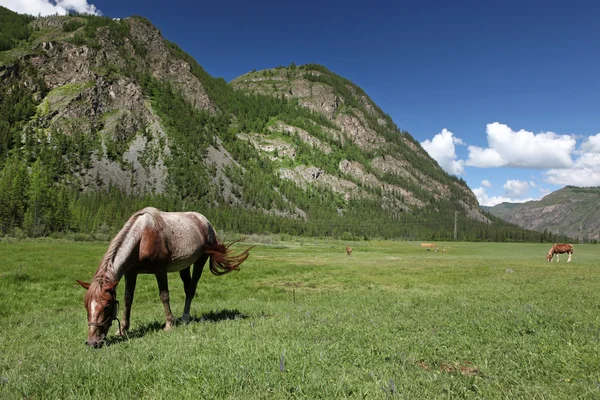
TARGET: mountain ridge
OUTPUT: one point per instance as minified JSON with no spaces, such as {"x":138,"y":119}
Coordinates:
{"x":110,"y":106}
{"x":570,"y":211}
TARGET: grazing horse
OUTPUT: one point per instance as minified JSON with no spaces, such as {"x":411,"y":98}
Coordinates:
{"x":348,"y":251}
{"x":560,"y":249}
{"x":154,"y":242}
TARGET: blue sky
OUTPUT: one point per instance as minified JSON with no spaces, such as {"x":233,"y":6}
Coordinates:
{"x":503,"y":94}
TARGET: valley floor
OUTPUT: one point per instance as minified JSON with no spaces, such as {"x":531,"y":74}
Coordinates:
{"x":303,"y":319}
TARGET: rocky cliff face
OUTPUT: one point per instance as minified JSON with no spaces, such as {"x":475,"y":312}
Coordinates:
{"x":570,"y":211}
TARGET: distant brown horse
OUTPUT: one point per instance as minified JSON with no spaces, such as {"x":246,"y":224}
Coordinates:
{"x":154,"y":242}
{"x":348,"y":251}
{"x":560,"y":249}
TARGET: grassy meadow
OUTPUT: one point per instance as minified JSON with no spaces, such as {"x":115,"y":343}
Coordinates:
{"x":303,"y":320}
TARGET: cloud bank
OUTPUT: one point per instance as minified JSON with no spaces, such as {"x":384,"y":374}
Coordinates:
{"x":441,"y":148}
{"x":522,"y":149}
{"x":515,"y":191}
{"x":561,"y":162}
{"x":50,"y":7}
{"x":585,"y":171}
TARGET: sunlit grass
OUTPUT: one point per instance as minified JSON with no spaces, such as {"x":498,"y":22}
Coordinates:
{"x":304,"y":320}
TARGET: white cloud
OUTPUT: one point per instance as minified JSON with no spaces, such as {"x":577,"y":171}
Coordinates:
{"x":50,"y":7}
{"x":441,"y":148}
{"x":573,"y":176}
{"x":484,"y":158}
{"x":485,"y":200}
{"x":516,"y":188}
{"x":486,"y":183}
{"x":585,"y":171}
{"x":591,"y":144}
{"x":522,"y":149}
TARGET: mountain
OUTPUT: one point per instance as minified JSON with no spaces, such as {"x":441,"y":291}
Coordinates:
{"x":500,"y":210}
{"x":571,"y":211}
{"x":101,"y":116}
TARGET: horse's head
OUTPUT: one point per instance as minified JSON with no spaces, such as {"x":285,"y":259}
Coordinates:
{"x":550,"y":255}
{"x":101,"y":304}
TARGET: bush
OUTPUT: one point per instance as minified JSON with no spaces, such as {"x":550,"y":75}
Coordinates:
{"x":347,"y":236}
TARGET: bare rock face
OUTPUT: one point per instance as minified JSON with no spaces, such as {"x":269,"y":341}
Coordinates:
{"x":277,"y":148}
{"x":303,"y":135}
{"x":142,"y":169}
{"x":359,"y":133}
{"x":218,"y":157}
{"x":319,"y":98}
{"x":357,"y":171}
{"x":164,"y":67}
{"x":303,"y":175}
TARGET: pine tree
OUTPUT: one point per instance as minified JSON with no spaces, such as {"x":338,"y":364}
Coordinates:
{"x":38,"y":213}
{"x":14,"y":183}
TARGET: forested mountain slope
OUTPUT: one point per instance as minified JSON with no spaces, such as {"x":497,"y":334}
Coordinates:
{"x":99,"y":117}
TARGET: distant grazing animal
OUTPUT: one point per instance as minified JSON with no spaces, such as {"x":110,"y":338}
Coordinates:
{"x":560,"y":249}
{"x":154,"y":242}
{"x":428,"y":245}
{"x":348,"y":251}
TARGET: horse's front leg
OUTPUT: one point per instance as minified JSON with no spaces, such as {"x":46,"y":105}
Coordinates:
{"x":557,"y":258}
{"x":570,"y":254}
{"x":163,"y":289}
{"x":130,"y":281}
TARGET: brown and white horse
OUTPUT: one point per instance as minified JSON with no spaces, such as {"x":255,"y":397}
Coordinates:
{"x":154,"y":242}
{"x":560,"y":249}
{"x":348,"y":251}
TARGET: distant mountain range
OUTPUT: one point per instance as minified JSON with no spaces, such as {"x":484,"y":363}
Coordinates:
{"x":572,"y":211}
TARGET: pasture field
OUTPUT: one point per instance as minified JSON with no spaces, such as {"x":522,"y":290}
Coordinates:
{"x":303,"y":320}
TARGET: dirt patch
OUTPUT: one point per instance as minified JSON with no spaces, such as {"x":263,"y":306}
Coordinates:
{"x":465,"y":368}
{"x":304,"y":286}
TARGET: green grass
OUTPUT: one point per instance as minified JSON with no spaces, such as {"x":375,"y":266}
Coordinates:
{"x":301,"y":319}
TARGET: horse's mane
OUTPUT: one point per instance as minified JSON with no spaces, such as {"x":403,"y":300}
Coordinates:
{"x":104,"y":271}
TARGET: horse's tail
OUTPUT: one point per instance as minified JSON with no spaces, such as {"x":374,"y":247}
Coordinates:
{"x":222,"y":260}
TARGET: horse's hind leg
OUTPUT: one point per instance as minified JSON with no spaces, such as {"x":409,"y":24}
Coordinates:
{"x":190,"y":284}
{"x":163,"y":288}
{"x":130,"y":281}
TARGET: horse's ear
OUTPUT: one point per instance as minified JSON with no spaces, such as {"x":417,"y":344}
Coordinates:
{"x":84,"y":285}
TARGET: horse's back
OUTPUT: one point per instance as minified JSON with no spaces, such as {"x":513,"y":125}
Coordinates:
{"x":184,"y":235}
{"x":563,"y":248}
